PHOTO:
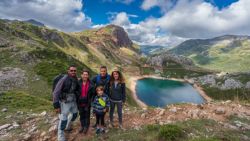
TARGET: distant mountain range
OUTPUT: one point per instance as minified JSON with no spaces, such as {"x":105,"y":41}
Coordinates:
{"x":230,"y":53}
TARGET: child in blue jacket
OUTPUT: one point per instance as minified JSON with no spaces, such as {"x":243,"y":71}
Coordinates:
{"x":101,"y":105}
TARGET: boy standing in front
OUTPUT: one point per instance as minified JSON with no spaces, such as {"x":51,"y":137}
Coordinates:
{"x":101,"y":105}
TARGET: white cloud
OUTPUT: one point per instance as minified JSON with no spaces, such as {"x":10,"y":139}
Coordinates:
{"x":164,"y":5}
{"x":65,"y":16}
{"x":120,"y":1}
{"x":199,"y":19}
{"x":121,"y":19}
{"x":145,"y":32}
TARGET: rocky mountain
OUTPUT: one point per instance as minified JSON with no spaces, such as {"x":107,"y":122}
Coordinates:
{"x":150,"y":50}
{"x":228,"y":53}
{"x":31,"y":56}
{"x":34,"y":22}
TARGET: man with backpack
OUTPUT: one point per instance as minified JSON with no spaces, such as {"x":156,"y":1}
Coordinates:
{"x":84,"y":100}
{"x":103,"y":80}
{"x":65,"y":100}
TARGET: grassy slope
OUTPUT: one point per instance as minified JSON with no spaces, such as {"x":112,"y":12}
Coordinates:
{"x":191,"y":130}
{"x":49,"y":57}
{"x":236,"y":60}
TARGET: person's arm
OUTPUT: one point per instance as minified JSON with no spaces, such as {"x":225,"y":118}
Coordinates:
{"x":78,"y":91}
{"x":123,"y":92}
{"x":57,"y":91}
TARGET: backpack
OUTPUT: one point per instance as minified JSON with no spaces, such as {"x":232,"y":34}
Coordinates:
{"x":56,"y":80}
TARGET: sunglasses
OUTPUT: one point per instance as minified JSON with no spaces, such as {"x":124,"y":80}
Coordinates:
{"x":72,"y":70}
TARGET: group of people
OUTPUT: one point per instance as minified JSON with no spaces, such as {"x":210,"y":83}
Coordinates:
{"x":101,"y":95}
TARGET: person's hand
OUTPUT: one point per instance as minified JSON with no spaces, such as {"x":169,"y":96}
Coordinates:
{"x":58,"y":110}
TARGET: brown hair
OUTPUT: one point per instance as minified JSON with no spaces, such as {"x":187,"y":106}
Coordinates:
{"x":85,"y":71}
{"x":99,"y":87}
{"x":103,"y":67}
{"x":120,"y":79}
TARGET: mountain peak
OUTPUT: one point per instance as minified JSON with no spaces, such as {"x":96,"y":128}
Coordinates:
{"x":34,"y":22}
{"x":118,"y":35}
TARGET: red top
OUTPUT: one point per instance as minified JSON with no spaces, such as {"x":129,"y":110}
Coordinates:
{"x":85,"y":90}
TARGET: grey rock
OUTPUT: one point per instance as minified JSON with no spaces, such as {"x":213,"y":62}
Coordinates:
{"x":44,"y":113}
{"x":247,"y":85}
{"x":15,"y":124}
{"x":231,"y":84}
{"x":4,"y":110}
{"x":12,"y":78}
{"x":27,"y":137}
{"x":5,"y":126}
{"x":161,"y":113}
{"x":173,"y":110}
{"x":220,"y":111}
{"x":143,"y":115}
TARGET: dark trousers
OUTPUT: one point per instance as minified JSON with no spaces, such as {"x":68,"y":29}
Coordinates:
{"x":100,"y":118}
{"x":84,"y":113}
{"x":119,"y":111}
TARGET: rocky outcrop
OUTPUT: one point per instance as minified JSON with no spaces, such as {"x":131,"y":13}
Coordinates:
{"x":223,"y":82}
{"x":12,"y":78}
{"x":161,"y":59}
{"x":231,"y":84}
{"x":118,"y":35}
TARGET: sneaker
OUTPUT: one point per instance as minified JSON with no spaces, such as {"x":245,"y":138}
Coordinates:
{"x":98,"y":131}
{"x":102,"y":130}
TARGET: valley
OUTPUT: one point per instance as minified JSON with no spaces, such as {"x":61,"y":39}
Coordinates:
{"x":31,"y":56}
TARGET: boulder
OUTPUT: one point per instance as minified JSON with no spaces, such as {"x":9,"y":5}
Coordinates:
{"x":5,"y":126}
{"x":220,"y":111}
{"x":4,"y":110}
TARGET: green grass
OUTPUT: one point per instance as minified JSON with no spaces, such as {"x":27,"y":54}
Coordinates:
{"x":175,"y":70}
{"x":201,"y":129}
{"x":55,"y":62}
{"x":21,"y":101}
{"x":232,"y":94}
{"x":223,"y":58}
{"x":171,"y":133}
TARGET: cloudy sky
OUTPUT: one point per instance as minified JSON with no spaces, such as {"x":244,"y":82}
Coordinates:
{"x":148,"y":22}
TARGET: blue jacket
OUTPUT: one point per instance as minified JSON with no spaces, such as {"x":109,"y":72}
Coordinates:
{"x":99,"y":81}
{"x":97,"y":106}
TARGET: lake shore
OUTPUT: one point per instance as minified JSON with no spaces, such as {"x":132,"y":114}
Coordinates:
{"x":134,"y":79}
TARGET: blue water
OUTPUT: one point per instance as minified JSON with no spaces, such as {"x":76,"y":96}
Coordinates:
{"x":159,"y":93}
